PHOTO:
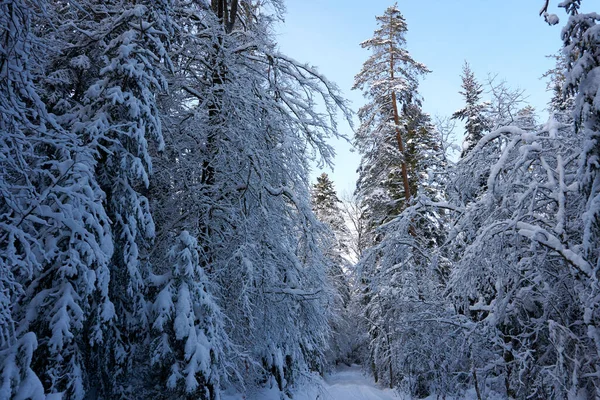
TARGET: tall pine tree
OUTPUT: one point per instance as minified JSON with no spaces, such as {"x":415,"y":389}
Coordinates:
{"x":389,"y":80}
{"x":402,"y":154}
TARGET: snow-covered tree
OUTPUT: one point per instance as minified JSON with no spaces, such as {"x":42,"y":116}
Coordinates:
{"x":190,"y":345}
{"x":515,"y":244}
{"x":505,"y":103}
{"x":389,"y":121}
{"x":22,"y":116}
{"x":326,"y":206}
{"x":561,"y":102}
{"x":242,"y":121}
{"x":474,"y":112}
{"x":353,"y":214}
{"x":56,"y":237}
{"x":403,"y":279}
{"x":415,"y":344}
{"x":402,"y":160}
{"x":327,"y":209}
{"x":581,"y":37}
{"x":104,"y":86}
{"x":506,"y":108}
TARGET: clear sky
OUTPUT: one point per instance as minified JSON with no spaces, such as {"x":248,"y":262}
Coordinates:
{"x":504,"y":37}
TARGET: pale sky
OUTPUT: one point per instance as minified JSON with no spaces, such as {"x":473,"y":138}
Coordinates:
{"x":503,"y":37}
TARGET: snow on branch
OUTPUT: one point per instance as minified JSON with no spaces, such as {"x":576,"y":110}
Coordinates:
{"x":546,"y":238}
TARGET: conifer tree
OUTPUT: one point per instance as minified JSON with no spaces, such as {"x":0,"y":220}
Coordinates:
{"x":582,"y":48}
{"x":402,"y":156}
{"x":23,"y":119}
{"x":56,"y":235}
{"x":326,"y":206}
{"x":389,"y":79}
{"x":104,"y":86}
{"x":583,"y":52}
{"x":561,"y":102}
{"x":473,"y":114}
{"x":189,"y":349}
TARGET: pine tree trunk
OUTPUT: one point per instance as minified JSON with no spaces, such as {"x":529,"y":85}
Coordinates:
{"x":405,"y":182}
{"x":397,"y":124}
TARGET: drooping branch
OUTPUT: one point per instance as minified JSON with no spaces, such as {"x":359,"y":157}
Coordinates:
{"x":545,"y":8}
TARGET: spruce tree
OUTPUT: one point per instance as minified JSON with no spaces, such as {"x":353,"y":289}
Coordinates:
{"x":473,"y":114}
{"x":582,"y":49}
{"x":326,"y":206}
{"x":55,"y":236}
{"x":189,"y":344}
{"x":23,"y":122}
{"x":103,"y":86}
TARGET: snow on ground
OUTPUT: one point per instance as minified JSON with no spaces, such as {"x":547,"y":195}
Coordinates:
{"x":347,"y":383}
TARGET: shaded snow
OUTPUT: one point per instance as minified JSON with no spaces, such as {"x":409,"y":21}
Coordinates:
{"x":347,"y":383}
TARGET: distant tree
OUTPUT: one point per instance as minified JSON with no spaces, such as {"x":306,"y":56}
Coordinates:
{"x":357,"y":229}
{"x":326,"y":206}
{"x":526,"y":118}
{"x":425,"y":154}
{"x":504,"y":108}
{"x":474,"y":112}
{"x":505,"y":102}
{"x":561,"y":101}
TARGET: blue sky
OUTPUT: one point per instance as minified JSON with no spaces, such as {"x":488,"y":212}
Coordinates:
{"x":504,"y":37}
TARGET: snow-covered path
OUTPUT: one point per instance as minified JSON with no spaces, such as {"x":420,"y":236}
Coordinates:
{"x":349,"y":383}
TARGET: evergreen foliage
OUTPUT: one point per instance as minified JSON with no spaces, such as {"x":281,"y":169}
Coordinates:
{"x":159,"y":236}
{"x":157,"y":232}
{"x":474,"y":112}
{"x":393,"y":134}
{"x":326,"y":206}
{"x":504,"y":298}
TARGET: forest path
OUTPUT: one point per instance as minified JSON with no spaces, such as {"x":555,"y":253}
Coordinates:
{"x":346,"y":383}
{"x":349,"y":383}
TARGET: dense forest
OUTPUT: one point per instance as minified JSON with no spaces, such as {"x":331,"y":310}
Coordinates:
{"x":160,"y":236}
